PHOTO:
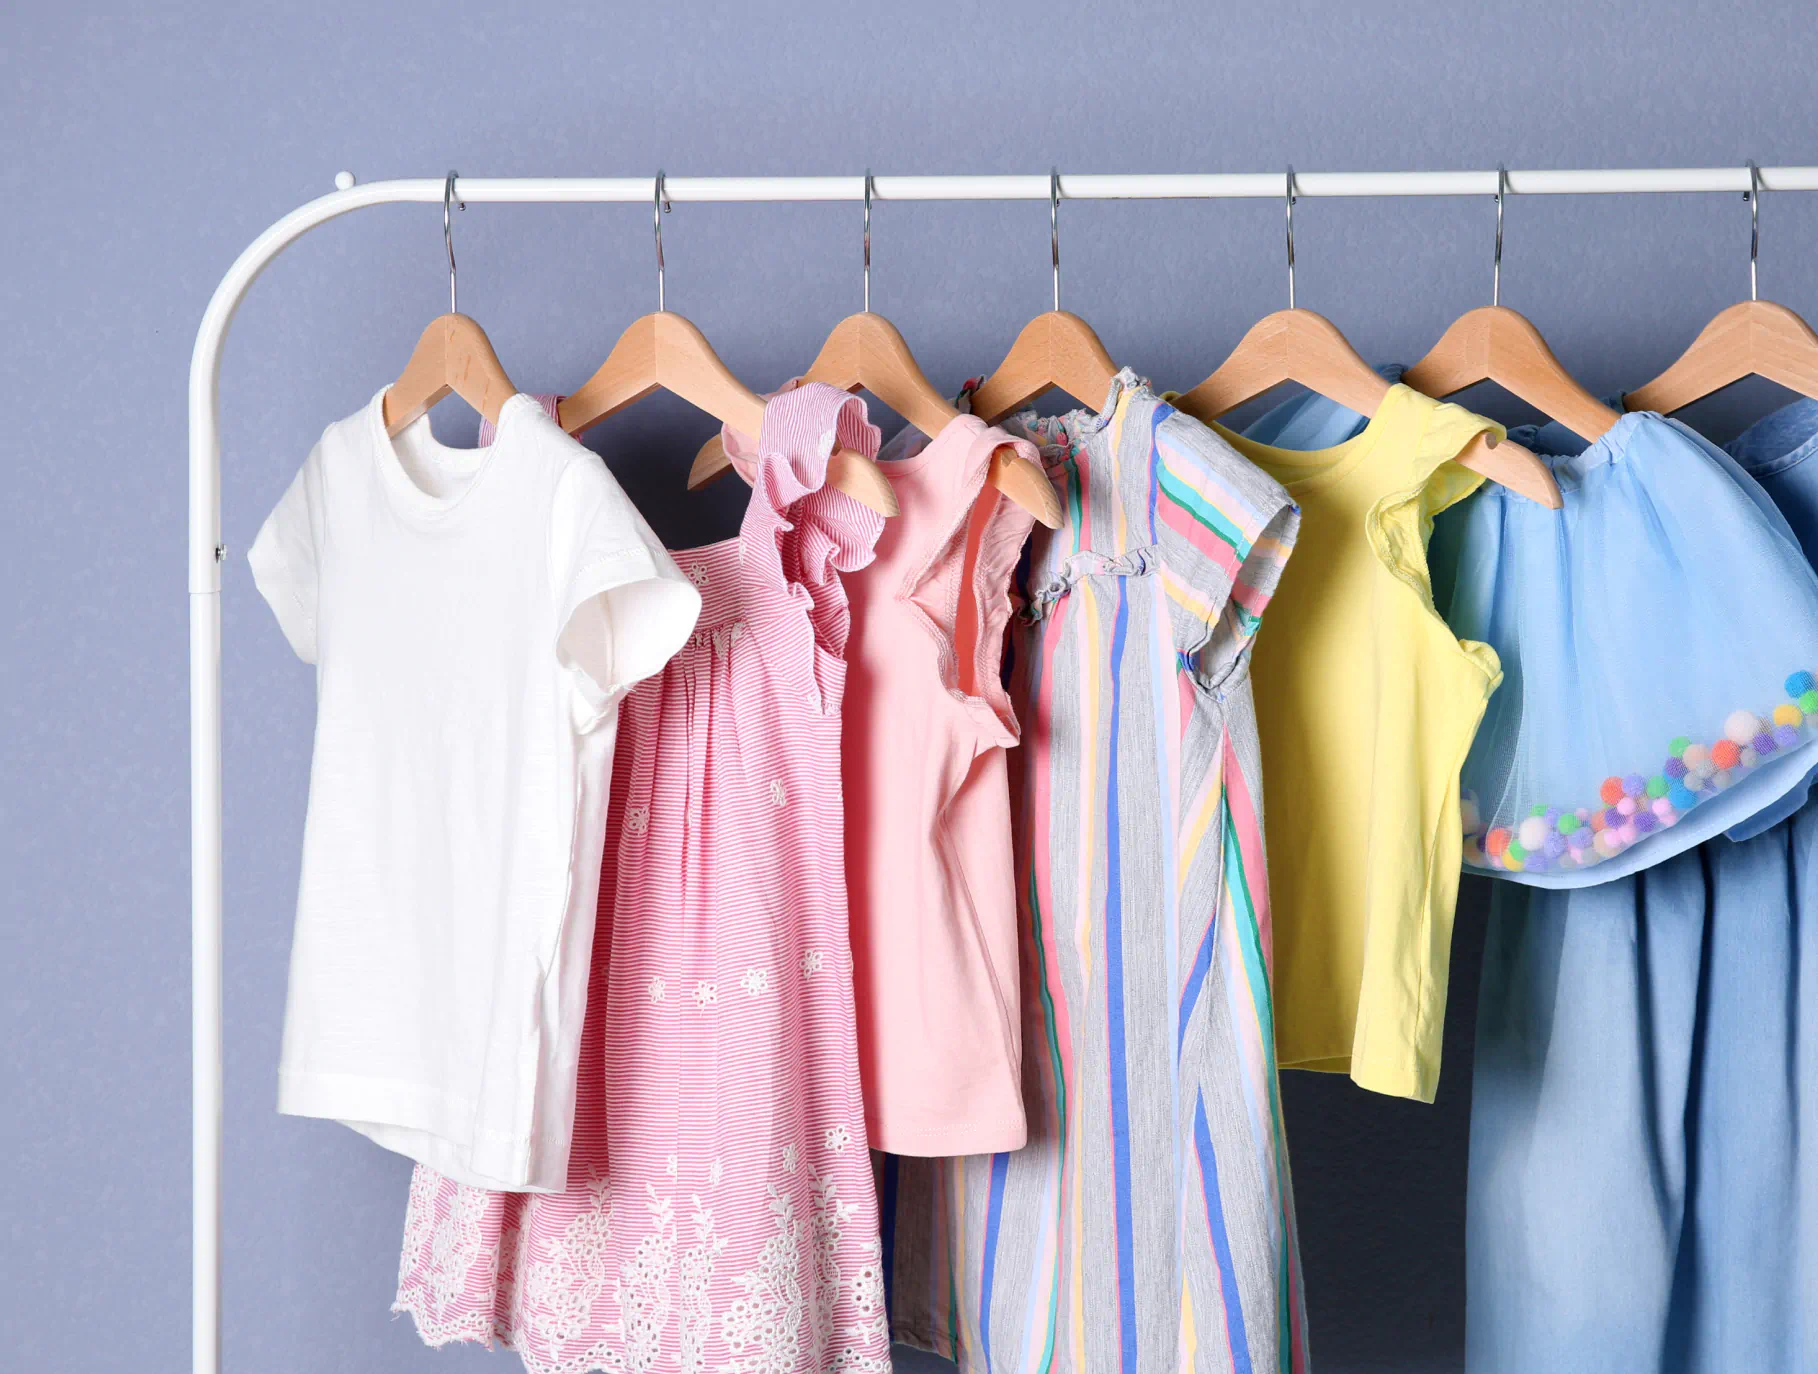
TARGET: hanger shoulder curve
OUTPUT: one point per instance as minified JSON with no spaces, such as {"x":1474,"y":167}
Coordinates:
{"x":1293,"y":345}
{"x":1496,"y":344}
{"x":873,"y":354}
{"x":867,"y":351}
{"x":1753,"y":338}
{"x":453,"y":355}
{"x":669,"y":351}
{"x":662,"y":350}
{"x":1055,"y":349}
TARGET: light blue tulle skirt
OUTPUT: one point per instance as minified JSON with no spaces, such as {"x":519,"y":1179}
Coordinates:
{"x":1658,"y":638}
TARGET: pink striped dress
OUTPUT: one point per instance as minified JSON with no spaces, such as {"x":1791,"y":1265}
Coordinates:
{"x":720,"y":1213}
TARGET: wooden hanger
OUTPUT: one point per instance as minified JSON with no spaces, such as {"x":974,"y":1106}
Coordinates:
{"x":1496,"y":344}
{"x":1296,"y":345}
{"x":452,"y":355}
{"x":1756,"y":338}
{"x":665,"y":350}
{"x":866,"y":351}
{"x":1055,"y":349}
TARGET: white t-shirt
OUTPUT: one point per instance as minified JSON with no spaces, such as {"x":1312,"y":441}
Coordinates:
{"x":474,"y":616}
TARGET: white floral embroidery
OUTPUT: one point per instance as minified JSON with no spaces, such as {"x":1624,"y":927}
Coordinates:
{"x":637,"y":819}
{"x":659,"y":989}
{"x":706,"y":995}
{"x":440,"y":1249}
{"x":777,"y":795}
{"x":837,"y":1138}
{"x":811,"y":962}
{"x":830,"y":1219}
{"x":697,"y":574}
{"x":796,"y":1308}
{"x":767,"y":1320}
{"x":643,"y":1287}
{"x":756,"y":981}
{"x":559,"y":1292}
{"x":728,"y":635}
{"x":696,"y":1274}
{"x":419,"y":1220}
{"x":868,"y":1286}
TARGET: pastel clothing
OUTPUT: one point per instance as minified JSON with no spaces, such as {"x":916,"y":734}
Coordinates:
{"x":720,"y":1213}
{"x":1774,"y":451}
{"x":927,"y":722}
{"x":1547,"y":800}
{"x":1643,"y":1191}
{"x":474,"y":617}
{"x":1584,"y":770}
{"x":1368,"y":704}
{"x":1148,"y":1224}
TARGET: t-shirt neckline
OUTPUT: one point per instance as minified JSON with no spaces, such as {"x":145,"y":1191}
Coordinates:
{"x":405,"y":495}
{"x":1318,"y":468}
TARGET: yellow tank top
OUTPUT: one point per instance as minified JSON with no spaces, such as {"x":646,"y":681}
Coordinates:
{"x":1366,"y":704}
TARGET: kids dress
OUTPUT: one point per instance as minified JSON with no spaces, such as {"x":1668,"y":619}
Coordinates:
{"x":1148,"y":1224}
{"x":927,"y":726}
{"x":1643,"y":1184}
{"x":720,"y":1213}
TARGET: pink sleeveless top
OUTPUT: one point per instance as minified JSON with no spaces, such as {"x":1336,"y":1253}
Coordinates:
{"x":928,"y":864}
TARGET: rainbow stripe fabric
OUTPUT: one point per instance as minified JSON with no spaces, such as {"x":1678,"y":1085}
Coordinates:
{"x":1148,"y":1225}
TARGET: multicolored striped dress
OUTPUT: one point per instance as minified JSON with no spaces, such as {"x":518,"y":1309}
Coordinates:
{"x":1148,"y":1225}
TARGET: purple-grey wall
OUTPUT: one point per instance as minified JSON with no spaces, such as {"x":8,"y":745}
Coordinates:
{"x":146,"y":144}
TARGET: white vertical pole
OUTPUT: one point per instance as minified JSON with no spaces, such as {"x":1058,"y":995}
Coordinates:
{"x":205,"y":973}
{"x":205,"y":556}
{"x":205,"y":836}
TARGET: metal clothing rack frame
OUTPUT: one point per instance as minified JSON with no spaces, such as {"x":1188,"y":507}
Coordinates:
{"x":206,"y":551}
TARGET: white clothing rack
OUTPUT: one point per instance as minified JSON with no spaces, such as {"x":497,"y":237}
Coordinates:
{"x":206,"y":552}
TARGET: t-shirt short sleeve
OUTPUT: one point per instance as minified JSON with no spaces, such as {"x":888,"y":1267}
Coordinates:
{"x":623,"y":608}
{"x":1424,"y":481}
{"x":284,"y":558}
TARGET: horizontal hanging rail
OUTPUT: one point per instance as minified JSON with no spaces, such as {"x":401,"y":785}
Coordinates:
{"x":1078,"y":186}
{"x":206,"y":553}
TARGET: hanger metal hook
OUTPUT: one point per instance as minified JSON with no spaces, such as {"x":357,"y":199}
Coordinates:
{"x":867,"y":240}
{"x":1753,"y":197}
{"x":1290,"y":199}
{"x":658,"y":205}
{"x":448,"y":202}
{"x":1054,"y":228}
{"x":1502,"y":186}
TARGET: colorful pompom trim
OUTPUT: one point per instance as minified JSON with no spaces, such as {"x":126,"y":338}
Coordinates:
{"x":1636,"y":805}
